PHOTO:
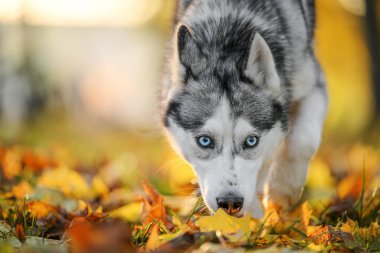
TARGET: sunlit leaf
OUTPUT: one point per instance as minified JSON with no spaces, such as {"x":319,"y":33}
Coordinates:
{"x":154,"y":241}
{"x":131,"y":212}
{"x":39,"y":209}
{"x":21,"y":190}
{"x":237,"y":229}
{"x":68,"y":181}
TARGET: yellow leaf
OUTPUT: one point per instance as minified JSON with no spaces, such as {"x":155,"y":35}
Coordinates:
{"x":320,"y":175}
{"x":154,"y":239}
{"x":131,"y":212}
{"x":99,"y":187}
{"x":306,"y":214}
{"x":349,"y":227}
{"x":236,"y":229}
{"x":21,"y":190}
{"x":68,"y":181}
{"x":181,"y":229}
{"x":315,"y":247}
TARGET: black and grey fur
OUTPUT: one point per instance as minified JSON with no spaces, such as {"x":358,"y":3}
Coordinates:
{"x":245,"y":64}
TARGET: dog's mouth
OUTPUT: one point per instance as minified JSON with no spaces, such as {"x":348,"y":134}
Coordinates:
{"x":238,"y":214}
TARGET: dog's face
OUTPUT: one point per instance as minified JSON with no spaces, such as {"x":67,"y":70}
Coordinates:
{"x":225,"y":125}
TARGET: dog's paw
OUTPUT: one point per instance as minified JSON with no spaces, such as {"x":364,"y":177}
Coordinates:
{"x":285,"y":198}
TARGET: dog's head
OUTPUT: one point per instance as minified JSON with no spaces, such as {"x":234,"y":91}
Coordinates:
{"x":226,"y":117}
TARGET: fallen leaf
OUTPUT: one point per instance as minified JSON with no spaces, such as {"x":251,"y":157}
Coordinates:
{"x":236,"y":229}
{"x":21,"y":190}
{"x":350,"y":186}
{"x":39,"y":209}
{"x":153,"y":208}
{"x":11,"y":163}
{"x":99,"y":187}
{"x":319,"y":234}
{"x":131,"y":212}
{"x":68,"y":181}
{"x":154,"y":241}
{"x":35,"y":162}
{"x":181,"y":229}
{"x":20,"y":233}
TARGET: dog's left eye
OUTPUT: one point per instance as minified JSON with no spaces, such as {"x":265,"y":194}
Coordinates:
{"x":205,"y":142}
{"x":251,"y":141}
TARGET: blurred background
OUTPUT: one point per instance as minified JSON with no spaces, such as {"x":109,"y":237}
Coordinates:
{"x":80,"y":78}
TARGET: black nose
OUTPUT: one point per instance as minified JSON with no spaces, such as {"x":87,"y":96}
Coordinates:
{"x":231,"y":204}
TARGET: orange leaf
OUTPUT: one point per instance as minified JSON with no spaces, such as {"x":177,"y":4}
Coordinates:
{"x":21,"y":190}
{"x":350,"y":186}
{"x":154,"y":208}
{"x":11,"y":163}
{"x":81,"y":234}
{"x":36,"y":162}
{"x":40,"y":209}
{"x":319,"y":235}
{"x":20,"y":233}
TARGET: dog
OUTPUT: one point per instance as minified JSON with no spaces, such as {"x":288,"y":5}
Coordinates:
{"x":244,"y":99}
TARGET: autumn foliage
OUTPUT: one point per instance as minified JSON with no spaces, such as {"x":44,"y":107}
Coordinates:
{"x":48,"y":205}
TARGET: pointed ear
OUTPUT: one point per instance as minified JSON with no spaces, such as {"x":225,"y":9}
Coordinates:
{"x":261,"y":67}
{"x":189,"y":54}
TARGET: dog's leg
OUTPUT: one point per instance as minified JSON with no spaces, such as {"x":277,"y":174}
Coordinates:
{"x":289,"y":171}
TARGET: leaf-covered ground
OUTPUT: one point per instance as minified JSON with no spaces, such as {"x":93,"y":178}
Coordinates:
{"x":48,"y":203}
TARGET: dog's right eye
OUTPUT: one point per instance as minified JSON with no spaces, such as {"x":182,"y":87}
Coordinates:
{"x":205,"y":142}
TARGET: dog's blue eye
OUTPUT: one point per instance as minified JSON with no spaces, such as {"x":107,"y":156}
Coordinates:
{"x":251,"y":142}
{"x":205,"y":142}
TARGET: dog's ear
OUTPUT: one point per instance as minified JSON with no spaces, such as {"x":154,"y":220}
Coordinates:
{"x":261,"y":67}
{"x":189,"y":53}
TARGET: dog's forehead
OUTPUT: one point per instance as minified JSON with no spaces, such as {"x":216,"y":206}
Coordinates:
{"x":201,"y":101}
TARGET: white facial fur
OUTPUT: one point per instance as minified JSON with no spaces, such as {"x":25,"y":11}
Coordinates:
{"x":228,"y":168}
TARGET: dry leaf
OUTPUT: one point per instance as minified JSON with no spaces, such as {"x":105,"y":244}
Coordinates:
{"x":131,"y":212}
{"x":11,"y":163}
{"x":319,"y":234}
{"x":36,"y":162}
{"x":21,"y":190}
{"x":20,"y":233}
{"x":40,"y":209}
{"x":236,"y":229}
{"x":68,"y":181}
{"x":153,"y":208}
{"x":154,"y":241}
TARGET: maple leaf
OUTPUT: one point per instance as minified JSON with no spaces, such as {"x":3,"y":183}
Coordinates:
{"x":236,"y":229}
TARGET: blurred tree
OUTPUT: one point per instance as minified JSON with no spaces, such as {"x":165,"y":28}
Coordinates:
{"x":373,"y":12}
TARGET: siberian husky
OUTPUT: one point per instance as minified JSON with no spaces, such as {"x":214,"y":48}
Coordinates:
{"x":244,"y":99}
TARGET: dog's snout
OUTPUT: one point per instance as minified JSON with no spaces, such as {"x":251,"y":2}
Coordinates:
{"x":231,"y":204}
